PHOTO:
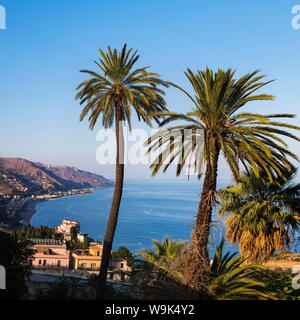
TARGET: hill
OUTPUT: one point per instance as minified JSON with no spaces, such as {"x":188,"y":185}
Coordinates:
{"x":24,"y":178}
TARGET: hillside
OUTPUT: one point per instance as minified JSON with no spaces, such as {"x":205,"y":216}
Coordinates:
{"x":24,"y":178}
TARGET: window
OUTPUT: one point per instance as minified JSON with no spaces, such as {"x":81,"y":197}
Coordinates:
{"x":40,"y":262}
{"x":83,"y":266}
{"x":59,"y":263}
{"x":44,"y":263}
{"x":93,"y":265}
{"x":122,"y":265}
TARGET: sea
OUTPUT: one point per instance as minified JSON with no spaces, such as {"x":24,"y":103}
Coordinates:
{"x":150,"y":209}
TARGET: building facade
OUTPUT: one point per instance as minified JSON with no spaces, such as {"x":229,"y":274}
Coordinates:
{"x":87,"y":259}
{"x":65,"y":228}
{"x":50,"y":253}
{"x":90,"y":260}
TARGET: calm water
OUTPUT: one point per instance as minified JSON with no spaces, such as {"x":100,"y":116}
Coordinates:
{"x":150,"y":209}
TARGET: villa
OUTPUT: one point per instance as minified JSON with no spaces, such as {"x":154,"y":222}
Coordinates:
{"x":50,"y":253}
{"x":119,"y":264}
{"x":90,"y":260}
{"x":65,"y":229}
{"x":87,"y":259}
{"x":66,"y":226}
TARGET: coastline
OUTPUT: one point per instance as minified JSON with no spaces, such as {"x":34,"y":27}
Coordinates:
{"x":29,"y":208}
{"x":28,"y":211}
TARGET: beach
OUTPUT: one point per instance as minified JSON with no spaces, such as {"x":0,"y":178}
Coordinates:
{"x":28,"y":211}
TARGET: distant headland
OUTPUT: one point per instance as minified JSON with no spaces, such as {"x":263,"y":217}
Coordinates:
{"x":23,"y":183}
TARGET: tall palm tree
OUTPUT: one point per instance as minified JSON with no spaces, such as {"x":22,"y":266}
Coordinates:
{"x":264,"y":215}
{"x":113,"y":94}
{"x":214,"y":126}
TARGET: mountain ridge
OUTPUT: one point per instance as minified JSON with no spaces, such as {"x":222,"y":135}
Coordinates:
{"x":24,"y":177}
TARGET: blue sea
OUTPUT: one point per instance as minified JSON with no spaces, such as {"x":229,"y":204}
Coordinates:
{"x":150,"y":209}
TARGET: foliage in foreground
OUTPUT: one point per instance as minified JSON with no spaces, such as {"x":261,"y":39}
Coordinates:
{"x":165,"y":253}
{"x":74,"y":289}
{"x":229,"y":277}
{"x":14,"y":256}
{"x":123,"y":253}
{"x":264,"y":214}
{"x":279,"y":283}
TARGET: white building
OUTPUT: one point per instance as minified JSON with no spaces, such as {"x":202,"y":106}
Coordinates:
{"x":65,"y":228}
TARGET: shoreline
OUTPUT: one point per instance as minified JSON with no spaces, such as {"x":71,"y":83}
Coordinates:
{"x":29,"y":211}
{"x":29,"y":208}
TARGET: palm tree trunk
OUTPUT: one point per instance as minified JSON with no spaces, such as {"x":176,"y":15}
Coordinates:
{"x":196,"y":260}
{"x":114,"y":211}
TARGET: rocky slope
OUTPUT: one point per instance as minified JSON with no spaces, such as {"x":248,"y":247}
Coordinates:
{"x":24,"y":178}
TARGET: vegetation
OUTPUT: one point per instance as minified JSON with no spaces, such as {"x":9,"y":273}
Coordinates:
{"x":154,"y":275}
{"x":216,"y":126}
{"x":64,"y":289}
{"x":264,"y":215}
{"x":15,"y":256}
{"x":263,"y":205}
{"x":74,"y":289}
{"x":279,"y":284}
{"x":73,"y":233}
{"x":165,"y":253}
{"x":123,"y":253}
{"x":12,"y":221}
{"x":229,"y":277}
{"x":85,"y":244}
{"x":44,"y":232}
{"x":114,"y":94}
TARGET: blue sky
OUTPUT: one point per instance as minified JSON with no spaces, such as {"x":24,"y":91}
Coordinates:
{"x":47,"y":42}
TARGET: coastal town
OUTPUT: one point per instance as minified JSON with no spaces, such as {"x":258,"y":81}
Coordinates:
{"x":52,"y":255}
{"x":53,"y":259}
{"x":20,"y":209}
{"x":24,"y":183}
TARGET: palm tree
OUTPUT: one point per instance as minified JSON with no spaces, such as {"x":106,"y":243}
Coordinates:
{"x":113,"y":94}
{"x":165,"y":253}
{"x":231,"y":279}
{"x":155,"y":274}
{"x":263,"y":214}
{"x":211,"y":128}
